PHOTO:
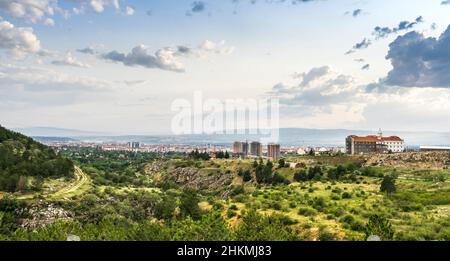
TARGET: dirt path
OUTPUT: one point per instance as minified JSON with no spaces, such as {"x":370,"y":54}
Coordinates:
{"x":81,"y":179}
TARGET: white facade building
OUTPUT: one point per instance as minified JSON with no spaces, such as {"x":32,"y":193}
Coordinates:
{"x":393,"y":144}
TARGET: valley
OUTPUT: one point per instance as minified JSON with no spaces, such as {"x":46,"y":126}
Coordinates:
{"x":120,"y":195}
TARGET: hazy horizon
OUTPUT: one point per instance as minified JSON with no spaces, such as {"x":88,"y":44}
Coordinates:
{"x":47,"y":129}
{"x":287,"y":137}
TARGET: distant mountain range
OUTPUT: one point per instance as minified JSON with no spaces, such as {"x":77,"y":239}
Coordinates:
{"x":288,"y":137}
{"x":56,"y":132}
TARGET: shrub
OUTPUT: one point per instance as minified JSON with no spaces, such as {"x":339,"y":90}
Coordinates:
{"x":240,"y":198}
{"x":319,"y":203}
{"x":379,"y":226}
{"x":237,"y":190}
{"x":335,"y":197}
{"x":349,"y":219}
{"x":307,"y":211}
{"x":346,"y":195}
{"x":292,"y":205}
{"x":233,"y":207}
{"x":189,"y":205}
{"x":276,"y":205}
{"x":231,"y":213}
{"x":325,"y":234}
{"x":247,"y":176}
{"x":337,"y":190}
{"x":256,"y":227}
{"x":279,"y":179}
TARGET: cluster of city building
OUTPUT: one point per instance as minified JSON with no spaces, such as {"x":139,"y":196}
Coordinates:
{"x":138,"y":147}
{"x":255,"y":149}
{"x":354,"y":145}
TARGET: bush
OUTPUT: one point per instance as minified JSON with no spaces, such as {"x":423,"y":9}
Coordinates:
{"x":379,"y":226}
{"x":337,"y":190}
{"x":307,"y":211}
{"x":319,"y":203}
{"x":256,"y":227}
{"x":300,"y":176}
{"x":325,"y":234}
{"x":247,"y":176}
{"x":335,"y":197}
{"x":233,"y":207}
{"x":279,"y":179}
{"x":275,"y":205}
{"x":189,"y":205}
{"x":237,"y":190}
{"x":231,"y":213}
{"x":166,"y":208}
{"x":348,"y":219}
{"x":346,"y":195}
{"x":407,"y":206}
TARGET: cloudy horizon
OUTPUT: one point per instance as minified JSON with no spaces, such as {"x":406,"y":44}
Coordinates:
{"x":116,"y":66}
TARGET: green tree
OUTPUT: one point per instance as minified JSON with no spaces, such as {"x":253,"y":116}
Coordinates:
{"x":189,"y":204}
{"x":255,"y":164}
{"x":279,"y":179}
{"x":281,"y":163}
{"x":246,"y":176}
{"x":166,"y":208}
{"x":388,"y":184}
{"x":379,"y":226}
{"x":264,"y":173}
{"x":301,"y":176}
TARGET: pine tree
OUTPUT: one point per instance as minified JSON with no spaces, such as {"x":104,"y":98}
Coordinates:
{"x":379,"y":226}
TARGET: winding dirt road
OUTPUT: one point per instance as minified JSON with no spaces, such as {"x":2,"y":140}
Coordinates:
{"x":81,"y":179}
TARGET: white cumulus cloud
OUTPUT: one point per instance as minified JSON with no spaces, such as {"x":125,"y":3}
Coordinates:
{"x":19,"y":41}
{"x":31,"y":10}
{"x":70,"y":60}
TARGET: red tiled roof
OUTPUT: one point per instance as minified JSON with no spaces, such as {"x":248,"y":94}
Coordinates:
{"x":376,"y":139}
{"x":366,"y":139}
{"x":392,"y":138}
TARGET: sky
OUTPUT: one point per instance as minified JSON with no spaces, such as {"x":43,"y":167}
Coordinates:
{"x":117,"y":66}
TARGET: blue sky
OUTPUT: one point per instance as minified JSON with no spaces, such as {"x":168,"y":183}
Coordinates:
{"x":234,"y":50}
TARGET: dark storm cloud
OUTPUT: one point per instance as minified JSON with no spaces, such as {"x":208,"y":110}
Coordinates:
{"x":419,"y":61}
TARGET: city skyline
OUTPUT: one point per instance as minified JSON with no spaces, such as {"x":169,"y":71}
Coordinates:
{"x":345,"y":64}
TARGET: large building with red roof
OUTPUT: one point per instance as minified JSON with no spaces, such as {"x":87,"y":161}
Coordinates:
{"x":374,"y":144}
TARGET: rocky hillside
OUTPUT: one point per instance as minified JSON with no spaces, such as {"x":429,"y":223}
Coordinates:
{"x":207,"y":179}
{"x":416,"y":160}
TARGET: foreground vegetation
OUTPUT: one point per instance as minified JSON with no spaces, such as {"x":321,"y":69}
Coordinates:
{"x":146,"y":196}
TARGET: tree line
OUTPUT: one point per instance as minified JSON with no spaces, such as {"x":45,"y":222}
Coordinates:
{"x":24,"y":163}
